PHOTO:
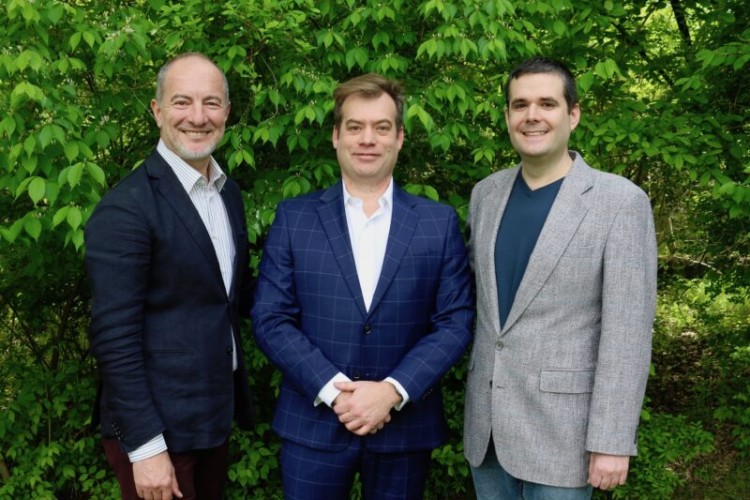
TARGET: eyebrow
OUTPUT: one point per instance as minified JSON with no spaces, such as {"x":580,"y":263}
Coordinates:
{"x":352,"y":121}
{"x":189,"y":98}
{"x":541,"y":99}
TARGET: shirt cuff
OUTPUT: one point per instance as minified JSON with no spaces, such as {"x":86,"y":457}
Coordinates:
{"x":150,"y":449}
{"x":400,"y":389}
{"x":329,"y":392}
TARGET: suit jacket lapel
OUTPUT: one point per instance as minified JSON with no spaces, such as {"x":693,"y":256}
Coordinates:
{"x":486,"y":227}
{"x":333,"y":219}
{"x":169,"y":187}
{"x":403,"y":223}
{"x":235,"y":214}
{"x":563,"y":220}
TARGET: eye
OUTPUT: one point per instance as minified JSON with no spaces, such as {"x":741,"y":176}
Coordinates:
{"x":214,"y":105}
{"x":180,"y":104}
{"x":383,"y":129}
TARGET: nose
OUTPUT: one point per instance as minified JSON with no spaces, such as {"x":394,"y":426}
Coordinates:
{"x":367,"y":136}
{"x":532,"y":113}
{"x":197,"y":114}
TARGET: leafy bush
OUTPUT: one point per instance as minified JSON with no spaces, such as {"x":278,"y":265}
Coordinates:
{"x":75,"y":82}
{"x":668,"y":447}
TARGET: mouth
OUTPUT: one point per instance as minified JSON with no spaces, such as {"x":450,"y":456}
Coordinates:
{"x":534,"y":133}
{"x":196,"y":133}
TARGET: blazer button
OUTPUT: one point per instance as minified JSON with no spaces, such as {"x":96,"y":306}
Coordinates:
{"x":229,"y":351}
{"x":357,"y":375}
{"x":368,"y":329}
{"x":499,"y":345}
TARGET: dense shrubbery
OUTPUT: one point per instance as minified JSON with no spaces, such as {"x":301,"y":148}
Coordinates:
{"x":664,"y":103}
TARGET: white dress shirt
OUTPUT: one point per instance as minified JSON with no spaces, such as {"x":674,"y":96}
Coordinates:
{"x":369,"y":237}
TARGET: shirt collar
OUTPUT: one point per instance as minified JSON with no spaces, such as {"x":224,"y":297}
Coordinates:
{"x":385,"y":200}
{"x":187,"y":175}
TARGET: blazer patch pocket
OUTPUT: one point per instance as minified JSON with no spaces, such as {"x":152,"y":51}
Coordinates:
{"x":567,"y":381}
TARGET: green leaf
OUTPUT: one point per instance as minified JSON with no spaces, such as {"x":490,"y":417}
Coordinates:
{"x":431,"y":193}
{"x":88,"y":37}
{"x":33,"y":227}
{"x":36,"y":189}
{"x":60,"y":215}
{"x":96,"y":172}
{"x":75,"y":40}
{"x":23,"y":91}
{"x":74,"y":217}
{"x":559,"y":27}
{"x":71,"y":150}
{"x":75,"y":173}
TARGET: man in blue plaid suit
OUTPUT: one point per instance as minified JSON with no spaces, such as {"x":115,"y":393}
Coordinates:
{"x":363,"y":302}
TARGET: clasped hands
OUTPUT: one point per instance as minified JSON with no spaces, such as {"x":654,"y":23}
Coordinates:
{"x":364,"y":407}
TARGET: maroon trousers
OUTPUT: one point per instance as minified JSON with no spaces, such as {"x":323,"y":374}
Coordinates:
{"x":201,"y":474}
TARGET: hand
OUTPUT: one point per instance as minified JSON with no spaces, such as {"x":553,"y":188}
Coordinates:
{"x":365,"y":407}
{"x":155,"y":478}
{"x":607,"y":471}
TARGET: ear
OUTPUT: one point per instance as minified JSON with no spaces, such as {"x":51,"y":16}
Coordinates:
{"x":575,"y":116}
{"x":156,"y":110}
{"x":335,"y":137}
{"x":400,"y":137}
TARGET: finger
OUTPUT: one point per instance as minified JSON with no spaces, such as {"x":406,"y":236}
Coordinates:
{"x":345,"y":386}
{"x":175,"y":487}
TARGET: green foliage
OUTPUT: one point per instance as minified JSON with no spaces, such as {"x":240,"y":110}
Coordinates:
{"x":701,"y":352}
{"x":44,"y":438}
{"x":664,"y":102}
{"x":668,"y":447}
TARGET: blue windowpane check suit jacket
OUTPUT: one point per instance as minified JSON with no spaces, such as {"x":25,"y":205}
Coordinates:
{"x":310,"y":319}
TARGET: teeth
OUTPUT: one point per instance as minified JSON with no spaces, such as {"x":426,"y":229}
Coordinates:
{"x":535,"y":133}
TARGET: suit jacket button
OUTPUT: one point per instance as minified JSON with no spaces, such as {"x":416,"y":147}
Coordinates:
{"x":357,"y":375}
{"x":229,"y":351}
{"x":499,"y":345}
{"x":368,"y":329}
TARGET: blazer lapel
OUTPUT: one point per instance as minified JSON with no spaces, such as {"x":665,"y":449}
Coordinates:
{"x":486,"y":226}
{"x":403,"y":223}
{"x":563,"y":220}
{"x":333,"y":219}
{"x":169,"y":187}
{"x":235,"y":214}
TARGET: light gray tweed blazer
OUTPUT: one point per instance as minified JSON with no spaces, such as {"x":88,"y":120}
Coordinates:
{"x":567,"y":373}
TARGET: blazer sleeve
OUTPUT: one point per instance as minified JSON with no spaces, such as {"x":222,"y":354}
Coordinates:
{"x":276,"y":315}
{"x":628,"y":308}
{"x":117,"y":259}
{"x":449,"y":331}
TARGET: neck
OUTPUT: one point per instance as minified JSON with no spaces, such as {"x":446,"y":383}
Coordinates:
{"x":368,"y":192}
{"x":201,"y":166}
{"x":538,"y":174}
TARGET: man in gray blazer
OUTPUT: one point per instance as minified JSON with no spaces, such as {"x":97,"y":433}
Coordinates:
{"x":565,"y":261}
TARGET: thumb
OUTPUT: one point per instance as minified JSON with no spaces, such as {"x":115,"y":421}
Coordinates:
{"x":175,"y":487}
{"x":345,"y":386}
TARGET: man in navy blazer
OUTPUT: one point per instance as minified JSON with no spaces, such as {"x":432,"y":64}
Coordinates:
{"x":363,"y":302}
{"x":166,"y":252}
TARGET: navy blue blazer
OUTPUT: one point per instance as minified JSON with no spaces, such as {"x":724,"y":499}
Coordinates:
{"x":161,"y":317}
{"x":310,"y":319}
